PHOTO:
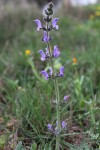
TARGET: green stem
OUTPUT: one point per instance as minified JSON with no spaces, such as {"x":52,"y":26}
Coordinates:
{"x":57,"y":97}
{"x":58,"y":115}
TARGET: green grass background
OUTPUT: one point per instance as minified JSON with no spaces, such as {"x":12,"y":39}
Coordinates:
{"x":24,"y":93}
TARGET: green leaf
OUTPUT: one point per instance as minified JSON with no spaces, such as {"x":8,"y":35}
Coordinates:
{"x":2,"y":141}
{"x":34,"y":146}
{"x":20,"y":146}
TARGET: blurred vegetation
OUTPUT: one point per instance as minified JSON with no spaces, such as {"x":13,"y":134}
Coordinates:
{"x":24,"y":97}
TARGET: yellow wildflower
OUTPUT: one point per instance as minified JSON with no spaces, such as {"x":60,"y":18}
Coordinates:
{"x":92,"y":17}
{"x":74,"y":60}
{"x":27,"y":52}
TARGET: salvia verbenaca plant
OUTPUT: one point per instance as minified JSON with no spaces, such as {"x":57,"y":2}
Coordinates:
{"x":49,"y":54}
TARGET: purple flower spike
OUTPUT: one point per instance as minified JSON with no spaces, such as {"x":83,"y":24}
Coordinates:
{"x":39,"y":25}
{"x":43,"y":56}
{"x":49,"y":126}
{"x":45,"y":74}
{"x":66,"y":98}
{"x":56,"y":51}
{"x":63,"y":124}
{"x":54,"y":23}
{"x":61,"y":73}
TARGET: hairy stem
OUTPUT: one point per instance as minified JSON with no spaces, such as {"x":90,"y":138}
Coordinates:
{"x":57,"y":96}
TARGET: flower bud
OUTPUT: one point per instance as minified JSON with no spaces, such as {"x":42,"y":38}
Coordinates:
{"x":47,"y":19}
{"x":50,"y":5}
{"x":74,"y":60}
{"x":48,"y":13}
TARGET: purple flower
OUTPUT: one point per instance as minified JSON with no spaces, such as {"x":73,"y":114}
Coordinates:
{"x":49,"y":126}
{"x":66,"y":98}
{"x":39,"y":25}
{"x":61,"y":72}
{"x":46,"y":38}
{"x":56,"y":51}
{"x":63,"y":124}
{"x":43,"y":55}
{"x":54,"y":23}
{"x":45,"y":74}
